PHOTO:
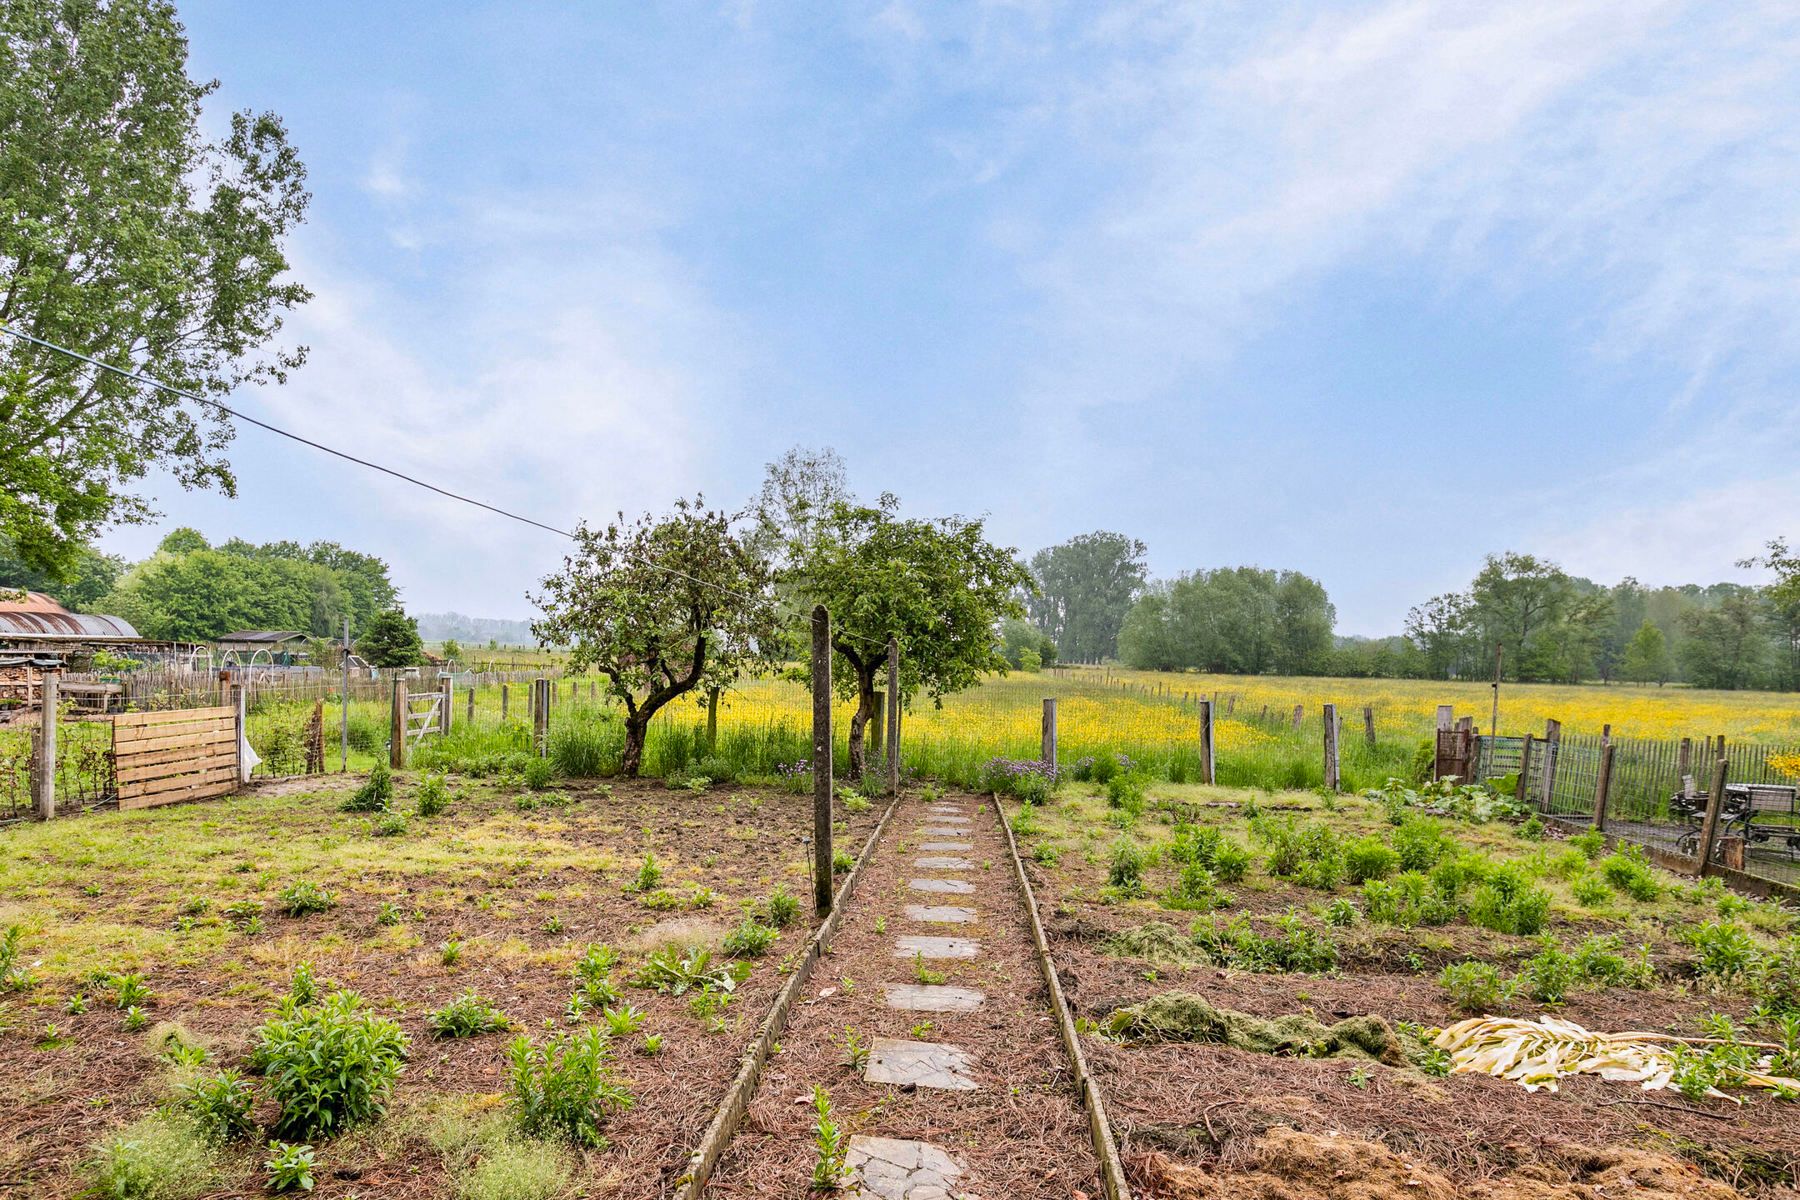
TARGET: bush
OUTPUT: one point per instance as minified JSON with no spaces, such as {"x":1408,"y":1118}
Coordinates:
{"x":1421,"y":842}
{"x":1127,"y":872}
{"x":1627,"y":872}
{"x":1727,"y":953}
{"x":749,"y":939}
{"x":1592,"y":891}
{"x":329,"y":1066}
{"x":1369,"y":858}
{"x":538,"y":773}
{"x":1126,"y":791}
{"x":1474,"y":987}
{"x":1340,"y":913}
{"x":1549,"y":975}
{"x":433,"y":796}
{"x":1509,"y":903}
{"x":303,"y":897}
{"x":1407,"y":900}
{"x":467,"y":1016}
{"x":219,"y":1104}
{"x":1230,"y":862}
{"x":1592,"y":844}
{"x":564,"y":1089}
{"x":1312,"y":855}
{"x":1194,"y":889}
{"x":159,"y":1158}
{"x":376,"y":793}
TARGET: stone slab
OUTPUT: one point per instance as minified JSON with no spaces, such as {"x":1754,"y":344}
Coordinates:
{"x":943,"y":845}
{"x":940,"y":914}
{"x":926,"y":946}
{"x":914,"y":997}
{"x":919,"y":1064}
{"x":952,"y":820}
{"x":942,"y":831}
{"x":959,"y":887}
{"x":943,"y":862}
{"x":895,"y":1169}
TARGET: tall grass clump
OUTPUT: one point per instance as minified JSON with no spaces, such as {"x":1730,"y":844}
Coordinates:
{"x":587,"y":747}
{"x":161,"y":1157}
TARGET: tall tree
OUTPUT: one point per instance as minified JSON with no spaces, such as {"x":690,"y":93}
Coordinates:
{"x":661,"y":606}
{"x":391,"y":639}
{"x":1646,"y":657}
{"x":1514,"y":599}
{"x":1726,"y":644}
{"x":1441,"y":629}
{"x":1084,"y":589}
{"x":939,"y":586}
{"x":127,"y":236}
{"x":1784,"y":604}
{"x":89,"y":576}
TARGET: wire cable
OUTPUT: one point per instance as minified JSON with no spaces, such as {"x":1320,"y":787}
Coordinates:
{"x":150,"y":381}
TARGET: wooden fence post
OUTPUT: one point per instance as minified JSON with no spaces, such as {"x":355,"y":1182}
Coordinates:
{"x":1522,"y":791}
{"x":397,"y":727}
{"x":712,"y":718}
{"x":1684,"y":759}
{"x":448,"y":703}
{"x":48,"y":699}
{"x":239,"y":712}
{"x":593,"y":691}
{"x":893,"y":716}
{"x":471,"y":705}
{"x":540,"y":716}
{"x":1709,"y":828}
{"x":1298,"y":712}
{"x":1331,"y":747}
{"x":1047,"y":754}
{"x":505,"y":697}
{"x":822,"y":750}
{"x":1552,"y":752}
{"x":1602,"y":786}
{"x":877,"y":723}
{"x":1369,"y":724}
{"x":1207,"y":773}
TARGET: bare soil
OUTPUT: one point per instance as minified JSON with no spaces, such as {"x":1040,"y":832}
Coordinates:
{"x":495,"y":878}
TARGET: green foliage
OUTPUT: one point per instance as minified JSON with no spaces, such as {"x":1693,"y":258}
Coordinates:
{"x":1407,"y":900}
{"x":1507,"y":902}
{"x":649,"y":874}
{"x":466,"y":1016}
{"x":564,"y":1089}
{"x":388,"y":824}
{"x":290,"y":1167}
{"x":433,"y":795}
{"x":781,"y":908}
{"x":1126,"y":791}
{"x":674,"y":971}
{"x":1592,"y":891}
{"x":1369,"y":858}
{"x":1045,"y":854}
{"x":623,"y":1020}
{"x":830,"y":1143}
{"x":538,"y":773}
{"x":14,"y":976}
{"x":1532,"y":830}
{"x":1340,"y":913}
{"x":1627,"y":871}
{"x":1127,"y":871}
{"x":588,"y":746}
{"x":161,"y":1157}
{"x":129,"y":990}
{"x":219,"y":1104}
{"x":1727,"y":953}
{"x":1592,"y":843}
{"x":1085,"y":587}
{"x":1235,"y":943}
{"x":375,"y":794}
{"x":1194,"y":889}
{"x":750,"y":940}
{"x":1475,"y":987}
{"x":1549,"y":975}
{"x":329,"y":1066}
{"x":1312,"y":855}
{"x":1234,"y":620}
{"x":1230,"y":862}
{"x":515,"y":1168}
{"x":1421,"y":843}
{"x":391,"y":639}
{"x":303,"y":897}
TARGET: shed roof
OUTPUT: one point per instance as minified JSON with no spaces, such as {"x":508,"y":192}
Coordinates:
{"x":263,"y":635}
{"x":38,"y":616}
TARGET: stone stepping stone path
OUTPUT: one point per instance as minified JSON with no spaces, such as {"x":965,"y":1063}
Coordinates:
{"x":949,"y":1047}
{"x":919,"y":1064}
{"x":917,"y":997}
{"x":897,"y":1169}
{"x":919,"y":945}
{"x":939,"y":914}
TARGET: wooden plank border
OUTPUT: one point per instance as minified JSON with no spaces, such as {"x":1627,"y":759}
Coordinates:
{"x":1106,"y":1147}
{"x":736,"y":1104}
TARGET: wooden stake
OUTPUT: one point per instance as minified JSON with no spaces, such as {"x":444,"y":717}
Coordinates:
{"x":1298,"y":712}
{"x":1369,"y":724}
{"x":1603,"y":786}
{"x":893,"y":717}
{"x":1047,"y":754}
{"x":397,"y":727}
{"x":1207,"y":773}
{"x":1331,"y":747}
{"x":822,"y":750}
{"x":504,"y":699}
{"x":48,"y":700}
{"x":1709,"y":828}
{"x":1552,"y":752}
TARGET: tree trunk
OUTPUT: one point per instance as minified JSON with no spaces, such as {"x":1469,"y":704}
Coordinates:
{"x":859,"y":720}
{"x":633,"y":757}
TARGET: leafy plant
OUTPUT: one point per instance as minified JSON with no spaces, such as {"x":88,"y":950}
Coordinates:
{"x":219,"y":1104}
{"x":564,"y":1088}
{"x":466,"y":1016}
{"x":539,"y":772}
{"x":1549,"y":975}
{"x":433,"y":796}
{"x":649,"y":874}
{"x":329,"y":1066}
{"x":290,"y":1167}
{"x":376,"y":793}
{"x":1727,"y":952}
{"x":1127,"y":872}
{"x":129,"y":990}
{"x":781,"y":908}
{"x":750,"y":939}
{"x":1627,"y":872}
{"x":1369,"y":858}
{"x":624,"y":1020}
{"x":1592,"y":891}
{"x":856,"y":1050}
{"x":830,"y":1143}
{"x":13,"y":974}
{"x":303,"y":897}
{"x":1507,"y":902}
{"x":674,"y":971}
{"x":450,"y":951}
{"x":1475,"y":987}
{"x":389,"y":824}
{"x":1194,"y":889}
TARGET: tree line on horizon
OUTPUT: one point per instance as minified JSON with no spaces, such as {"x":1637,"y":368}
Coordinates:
{"x":1096,"y":602}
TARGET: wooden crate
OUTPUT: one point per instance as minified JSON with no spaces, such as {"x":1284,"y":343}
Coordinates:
{"x":165,"y":757}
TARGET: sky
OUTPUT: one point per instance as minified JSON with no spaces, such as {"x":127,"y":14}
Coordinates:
{"x":1362,"y":290}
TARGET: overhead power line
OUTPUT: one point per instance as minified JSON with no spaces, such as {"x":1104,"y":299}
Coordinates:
{"x":149,"y":381}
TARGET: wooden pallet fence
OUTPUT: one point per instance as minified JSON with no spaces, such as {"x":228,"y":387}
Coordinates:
{"x":183,"y":754}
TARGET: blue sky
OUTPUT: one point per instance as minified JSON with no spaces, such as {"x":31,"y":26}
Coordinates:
{"x":1360,"y":290}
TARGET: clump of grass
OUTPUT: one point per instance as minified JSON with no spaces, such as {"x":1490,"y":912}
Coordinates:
{"x":515,"y":1168}
{"x":161,"y":1157}
{"x":304,"y":896}
{"x":376,"y":793}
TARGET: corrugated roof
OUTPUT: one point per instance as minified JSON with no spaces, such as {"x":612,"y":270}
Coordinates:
{"x":38,"y":616}
{"x":262,"y":635}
